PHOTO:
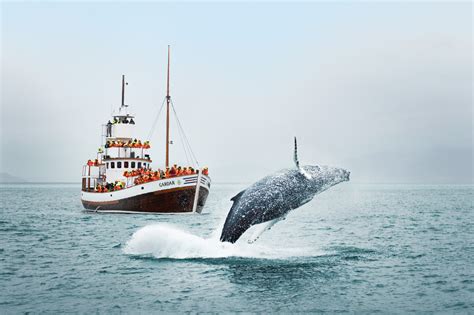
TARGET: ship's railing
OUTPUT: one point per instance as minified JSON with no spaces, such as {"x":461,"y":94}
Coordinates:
{"x":90,"y":182}
{"x":123,"y":152}
{"x":91,"y":179}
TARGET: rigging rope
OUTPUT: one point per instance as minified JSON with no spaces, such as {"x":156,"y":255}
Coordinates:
{"x":182,"y":140}
{"x":153,"y":126}
{"x":184,"y":134}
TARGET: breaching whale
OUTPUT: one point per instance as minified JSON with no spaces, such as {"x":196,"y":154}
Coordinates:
{"x":271,"y":198}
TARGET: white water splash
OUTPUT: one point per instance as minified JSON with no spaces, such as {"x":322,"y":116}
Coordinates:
{"x":166,"y":241}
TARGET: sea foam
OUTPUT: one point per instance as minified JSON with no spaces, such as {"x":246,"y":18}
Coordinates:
{"x":167,"y":241}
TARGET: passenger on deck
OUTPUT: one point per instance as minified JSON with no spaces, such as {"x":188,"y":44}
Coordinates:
{"x":109,"y":129}
{"x":205,"y":171}
{"x":173,"y":171}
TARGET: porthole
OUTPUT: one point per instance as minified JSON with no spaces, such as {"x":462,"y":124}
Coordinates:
{"x":143,"y":187}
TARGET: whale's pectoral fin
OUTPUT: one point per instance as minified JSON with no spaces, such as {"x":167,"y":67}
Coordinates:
{"x":297,"y":162}
{"x":260,"y":228}
{"x":295,"y":155}
{"x":237,"y":197}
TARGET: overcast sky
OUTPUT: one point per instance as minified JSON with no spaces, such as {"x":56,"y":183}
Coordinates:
{"x":382,"y":89}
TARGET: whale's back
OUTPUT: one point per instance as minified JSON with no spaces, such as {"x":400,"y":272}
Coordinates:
{"x":269,"y":198}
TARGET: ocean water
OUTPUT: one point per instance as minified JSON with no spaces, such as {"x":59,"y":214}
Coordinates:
{"x":354,"y":248}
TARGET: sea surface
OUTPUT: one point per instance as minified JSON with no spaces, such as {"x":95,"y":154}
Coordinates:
{"x":354,"y":248}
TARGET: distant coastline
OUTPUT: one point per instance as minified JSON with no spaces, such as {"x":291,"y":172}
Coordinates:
{"x":6,"y":178}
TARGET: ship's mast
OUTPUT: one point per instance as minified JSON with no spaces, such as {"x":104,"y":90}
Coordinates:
{"x":123,"y":90}
{"x":168,"y":100}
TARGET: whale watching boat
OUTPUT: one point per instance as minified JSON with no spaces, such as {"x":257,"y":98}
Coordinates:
{"x":121,"y":178}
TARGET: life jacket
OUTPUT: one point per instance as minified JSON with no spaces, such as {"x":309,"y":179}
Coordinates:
{"x":205,"y":171}
{"x":172,"y":172}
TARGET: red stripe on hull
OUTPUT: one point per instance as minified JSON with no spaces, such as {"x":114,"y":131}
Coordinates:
{"x":178,"y":200}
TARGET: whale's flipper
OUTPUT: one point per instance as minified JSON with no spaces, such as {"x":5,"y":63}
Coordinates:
{"x":237,"y":197}
{"x":295,"y":156}
{"x":297,"y":162}
{"x":262,"y":227}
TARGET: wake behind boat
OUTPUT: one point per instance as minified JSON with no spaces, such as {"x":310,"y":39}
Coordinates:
{"x":121,"y":179}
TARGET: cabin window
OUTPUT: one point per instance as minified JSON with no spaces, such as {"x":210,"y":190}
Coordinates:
{"x":139,"y":164}
{"x":107,"y":165}
{"x":125,"y":164}
{"x":112,"y":164}
{"x":144,"y":165}
{"x":119,"y":164}
{"x":133,"y":164}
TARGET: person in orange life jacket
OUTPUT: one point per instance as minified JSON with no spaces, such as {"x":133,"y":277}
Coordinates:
{"x":205,"y":171}
{"x":173,"y":171}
